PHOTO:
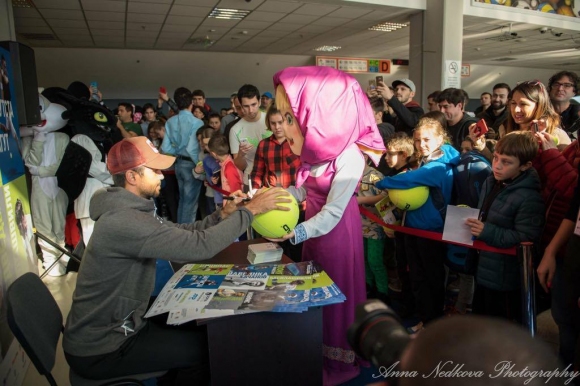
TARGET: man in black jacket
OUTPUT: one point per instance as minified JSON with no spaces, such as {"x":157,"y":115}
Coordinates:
{"x":451,"y":102}
{"x":407,"y":111}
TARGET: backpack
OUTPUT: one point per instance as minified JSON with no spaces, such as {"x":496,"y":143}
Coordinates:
{"x":468,"y":178}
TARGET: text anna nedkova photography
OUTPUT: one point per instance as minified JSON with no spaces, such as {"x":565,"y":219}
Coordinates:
{"x":503,"y":369}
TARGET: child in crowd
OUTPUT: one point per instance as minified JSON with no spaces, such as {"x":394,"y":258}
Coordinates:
{"x":199,"y":170}
{"x":373,"y":233}
{"x":199,"y":113}
{"x":400,"y":157}
{"x":426,"y":257}
{"x":512,"y":211}
{"x":466,"y":145}
{"x":230,"y":175}
{"x":215,"y":121}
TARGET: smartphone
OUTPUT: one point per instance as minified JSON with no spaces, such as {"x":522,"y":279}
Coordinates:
{"x":379,"y":79}
{"x":94,"y":86}
{"x":372,"y":84}
{"x":535,"y":128}
{"x":162,"y":90}
{"x":481,"y":128}
{"x":244,"y":141}
{"x":217,"y":173}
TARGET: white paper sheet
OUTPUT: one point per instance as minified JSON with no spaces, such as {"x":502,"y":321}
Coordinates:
{"x":455,"y":228}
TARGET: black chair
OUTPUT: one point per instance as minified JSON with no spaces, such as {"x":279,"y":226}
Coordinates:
{"x":36,"y":322}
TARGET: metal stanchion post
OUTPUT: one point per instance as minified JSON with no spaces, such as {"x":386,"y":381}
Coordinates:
{"x":525,"y":256}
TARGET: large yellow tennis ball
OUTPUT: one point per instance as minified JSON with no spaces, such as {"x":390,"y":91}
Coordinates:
{"x":409,"y":199}
{"x":277,"y":223}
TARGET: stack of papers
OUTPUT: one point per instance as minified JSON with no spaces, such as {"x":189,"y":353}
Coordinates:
{"x":264,"y":253}
{"x":199,"y":291}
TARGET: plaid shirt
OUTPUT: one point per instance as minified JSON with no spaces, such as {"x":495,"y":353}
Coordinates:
{"x":274,"y":164}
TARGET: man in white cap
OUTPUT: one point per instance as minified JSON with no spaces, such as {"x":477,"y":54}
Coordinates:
{"x":106,"y":335}
{"x":407,"y":111}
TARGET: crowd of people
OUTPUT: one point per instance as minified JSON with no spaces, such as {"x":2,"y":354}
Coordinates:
{"x":333,"y":162}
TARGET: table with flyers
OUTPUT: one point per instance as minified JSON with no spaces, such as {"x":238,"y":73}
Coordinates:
{"x":264,"y":348}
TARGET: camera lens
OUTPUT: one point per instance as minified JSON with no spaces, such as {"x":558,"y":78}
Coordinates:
{"x":377,"y":333}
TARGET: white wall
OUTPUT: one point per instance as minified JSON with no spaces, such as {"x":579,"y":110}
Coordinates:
{"x":137,"y":74}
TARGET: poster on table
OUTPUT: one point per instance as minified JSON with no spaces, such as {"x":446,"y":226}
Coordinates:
{"x":17,"y":251}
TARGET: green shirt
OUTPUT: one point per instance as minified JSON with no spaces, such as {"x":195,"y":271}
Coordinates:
{"x":132,"y":126}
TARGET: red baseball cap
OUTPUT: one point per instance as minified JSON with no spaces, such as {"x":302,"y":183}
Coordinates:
{"x":133,"y":152}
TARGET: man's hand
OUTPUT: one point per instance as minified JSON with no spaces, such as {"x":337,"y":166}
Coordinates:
{"x":371,"y":92}
{"x":266,"y":200}
{"x":475,"y":225}
{"x":245,"y":147}
{"x":384,"y":91}
{"x":163,"y":96}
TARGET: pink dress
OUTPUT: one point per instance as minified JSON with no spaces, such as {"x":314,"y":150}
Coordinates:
{"x":340,"y":253}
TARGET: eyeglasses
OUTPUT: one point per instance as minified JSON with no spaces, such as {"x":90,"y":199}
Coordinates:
{"x":557,"y":85}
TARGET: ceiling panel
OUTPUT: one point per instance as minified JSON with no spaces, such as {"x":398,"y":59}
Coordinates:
{"x":71,"y":31}
{"x":105,"y":16}
{"x":57,"y":4}
{"x":316,"y":9}
{"x":279,"y":6}
{"x":350,"y":12}
{"x":96,"y":25}
{"x":155,"y":9}
{"x":62,"y":14}
{"x":183,"y":10}
{"x":104,"y":5}
{"x":29,"y":22}
{"x":26,"y":12}
{"x":144,"y":18}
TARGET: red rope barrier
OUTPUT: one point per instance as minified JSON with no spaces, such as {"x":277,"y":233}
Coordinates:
{"x":435,"y":235}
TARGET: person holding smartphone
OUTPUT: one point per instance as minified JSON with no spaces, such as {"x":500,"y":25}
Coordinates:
{"x":407,"y":111}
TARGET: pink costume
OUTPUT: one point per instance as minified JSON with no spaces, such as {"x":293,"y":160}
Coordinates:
{"x":337,"y":123}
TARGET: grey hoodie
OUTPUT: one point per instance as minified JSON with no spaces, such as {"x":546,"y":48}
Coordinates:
{"x":117,"y":274}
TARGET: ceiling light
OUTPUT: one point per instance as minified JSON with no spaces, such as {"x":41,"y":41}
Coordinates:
{"x":21,"y":4}
{"x":228,"y":14}
{"x":327,"y":48}
{"x":388,"y":27}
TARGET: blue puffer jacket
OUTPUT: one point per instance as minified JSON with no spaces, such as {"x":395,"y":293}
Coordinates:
{"x":516,"y":215}
{"x":437,"y":174}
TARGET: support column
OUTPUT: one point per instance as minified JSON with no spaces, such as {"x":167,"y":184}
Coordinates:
{"x":7,"y":31}
{"x":435,"y":47}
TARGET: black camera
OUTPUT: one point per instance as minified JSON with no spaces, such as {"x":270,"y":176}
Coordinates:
{"x":377,"y":333}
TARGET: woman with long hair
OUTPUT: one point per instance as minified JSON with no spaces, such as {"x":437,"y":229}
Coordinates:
{"x":530,"y":109}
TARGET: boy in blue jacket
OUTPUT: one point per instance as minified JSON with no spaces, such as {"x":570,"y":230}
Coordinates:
{"x":511,"y":212}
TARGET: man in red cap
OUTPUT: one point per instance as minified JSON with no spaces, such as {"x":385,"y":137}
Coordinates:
{"x":105,"y":334}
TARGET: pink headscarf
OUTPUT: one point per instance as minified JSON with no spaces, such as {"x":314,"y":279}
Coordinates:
{"x":332,"y":111}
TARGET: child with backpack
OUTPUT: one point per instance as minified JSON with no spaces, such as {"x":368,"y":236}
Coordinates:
{"x":426,"y":257}
{"x":512,"y":211}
